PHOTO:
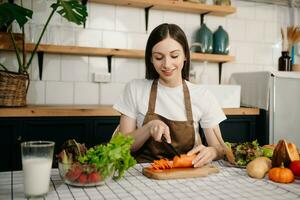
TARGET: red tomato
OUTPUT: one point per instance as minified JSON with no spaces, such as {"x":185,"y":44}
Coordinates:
{"x":74,"y":172}
{"x":94,"y":177}
{"x":295,"y":167}
{"x":82,"y":178}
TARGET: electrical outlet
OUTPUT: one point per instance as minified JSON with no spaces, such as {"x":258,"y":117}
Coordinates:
{"x":102,"y":77}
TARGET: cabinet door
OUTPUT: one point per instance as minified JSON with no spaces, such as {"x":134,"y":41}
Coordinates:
{"x":54,"y":129}
{"x":103,"y":129}
{"x":238,"y":128}
{"x":9,"y":128}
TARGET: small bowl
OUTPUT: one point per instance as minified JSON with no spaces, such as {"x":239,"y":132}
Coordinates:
{"x":79,"y":175}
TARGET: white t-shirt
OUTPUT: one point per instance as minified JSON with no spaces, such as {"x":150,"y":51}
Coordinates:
{"x":170,"y":103}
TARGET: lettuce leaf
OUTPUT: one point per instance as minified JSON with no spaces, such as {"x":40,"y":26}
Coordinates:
{"x":245,"y":152}
{"x":114,"y":156}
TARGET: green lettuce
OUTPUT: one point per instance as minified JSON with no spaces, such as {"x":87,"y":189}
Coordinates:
{"x":114,"y":156}
{"x":245,"y":152}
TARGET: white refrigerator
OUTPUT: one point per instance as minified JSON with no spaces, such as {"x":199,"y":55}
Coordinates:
{"x":284,"y":112}
{"x":278,"y":93}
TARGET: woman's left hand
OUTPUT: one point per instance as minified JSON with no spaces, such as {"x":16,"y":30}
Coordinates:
{"x":204,"y":156}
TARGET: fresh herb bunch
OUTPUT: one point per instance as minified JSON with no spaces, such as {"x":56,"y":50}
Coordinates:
{"x":245,"y":152}
{"x":115,"y":155}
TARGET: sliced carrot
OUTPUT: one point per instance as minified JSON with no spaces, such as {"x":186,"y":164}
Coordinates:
{"x":183,"y":161}
{"x":161,"y":164}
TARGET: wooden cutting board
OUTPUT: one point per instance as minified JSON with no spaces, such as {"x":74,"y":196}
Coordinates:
{"x":177,"y":173}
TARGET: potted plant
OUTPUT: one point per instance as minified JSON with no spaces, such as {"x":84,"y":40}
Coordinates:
{"x":14,"y":85}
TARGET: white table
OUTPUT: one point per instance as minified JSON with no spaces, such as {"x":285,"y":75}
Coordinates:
{"x":229,"y":183}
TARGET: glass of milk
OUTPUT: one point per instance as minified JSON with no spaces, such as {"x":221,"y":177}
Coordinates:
{"x":37,"y":159}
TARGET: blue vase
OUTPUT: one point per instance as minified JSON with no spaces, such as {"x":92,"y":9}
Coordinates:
{"x":221,"y":41}
{"x":222,"y":2}
{"x":204,"y":40}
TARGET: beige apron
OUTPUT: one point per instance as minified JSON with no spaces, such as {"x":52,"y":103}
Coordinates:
{"x":182,"y":132}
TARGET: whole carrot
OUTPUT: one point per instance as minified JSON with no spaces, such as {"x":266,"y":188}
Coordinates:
{"x":183,"y":161}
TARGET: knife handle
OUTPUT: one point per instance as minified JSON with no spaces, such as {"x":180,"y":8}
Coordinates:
{"x":169,"y":146}
{"x":163,"y":139}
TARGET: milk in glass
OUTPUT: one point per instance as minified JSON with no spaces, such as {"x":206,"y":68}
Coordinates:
{"x":36,"y":162}
{"x":36,"y":175}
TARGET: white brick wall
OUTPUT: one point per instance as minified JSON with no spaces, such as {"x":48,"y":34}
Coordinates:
{"x":254,"y":32}
{"x":86,"y":93}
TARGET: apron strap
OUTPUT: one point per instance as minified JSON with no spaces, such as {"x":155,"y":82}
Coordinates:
{"x":187,"y":99}
{"x":152,"y":99}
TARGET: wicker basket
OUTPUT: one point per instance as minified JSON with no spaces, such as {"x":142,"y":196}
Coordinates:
{"x":13,"y":89}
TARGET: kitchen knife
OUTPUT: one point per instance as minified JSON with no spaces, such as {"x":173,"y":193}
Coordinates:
{"x":169,"y":146}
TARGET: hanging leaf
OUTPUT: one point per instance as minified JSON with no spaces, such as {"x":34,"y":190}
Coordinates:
{"x":10,"y":12}
{"x":71,"y":10}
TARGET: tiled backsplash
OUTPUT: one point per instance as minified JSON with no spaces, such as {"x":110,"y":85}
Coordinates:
{"x":254,"y":32}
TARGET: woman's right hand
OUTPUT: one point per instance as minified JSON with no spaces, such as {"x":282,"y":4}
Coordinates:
{"x":157,"y":129}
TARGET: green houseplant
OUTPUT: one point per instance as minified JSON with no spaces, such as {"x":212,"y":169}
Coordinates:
{"x":14,"y":85}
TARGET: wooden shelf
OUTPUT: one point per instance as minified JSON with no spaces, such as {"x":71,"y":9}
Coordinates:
{"x":93,"y":110}
{"x":211,"y":57}
{"x":122,"y":53}
{"x":241,"y":111}
{"x":88,"y":51}
{"x":173,"y":5}
{"x":170,"y":5}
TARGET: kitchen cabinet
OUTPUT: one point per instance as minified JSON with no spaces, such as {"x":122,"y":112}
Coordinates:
{"x":88,"y":130}
{"x":239,"y":128}
{"x":89,"y":125}
{"x":103,"y":129}
{"x":9,"y":130}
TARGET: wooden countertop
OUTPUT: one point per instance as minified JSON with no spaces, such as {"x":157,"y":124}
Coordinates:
{"x":86,"y":110}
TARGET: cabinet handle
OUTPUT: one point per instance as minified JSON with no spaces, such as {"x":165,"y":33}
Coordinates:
{"x":19,"y":138}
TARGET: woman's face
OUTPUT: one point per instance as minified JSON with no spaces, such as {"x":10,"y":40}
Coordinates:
{"x":168,"y":58}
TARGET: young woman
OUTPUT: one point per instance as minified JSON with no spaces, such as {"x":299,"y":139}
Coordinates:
{"x":166,"y":104}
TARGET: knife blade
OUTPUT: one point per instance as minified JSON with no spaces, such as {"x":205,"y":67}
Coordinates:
{"x":169,"y":146}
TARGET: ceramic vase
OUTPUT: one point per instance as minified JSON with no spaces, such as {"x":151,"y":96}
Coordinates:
{"x":220,"y":41}
{"x":196,"y":1}
{"x":222,"y":2}
{"x":204,"y":40}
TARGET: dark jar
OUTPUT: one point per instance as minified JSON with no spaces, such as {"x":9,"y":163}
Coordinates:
{"x":285,"y":62}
